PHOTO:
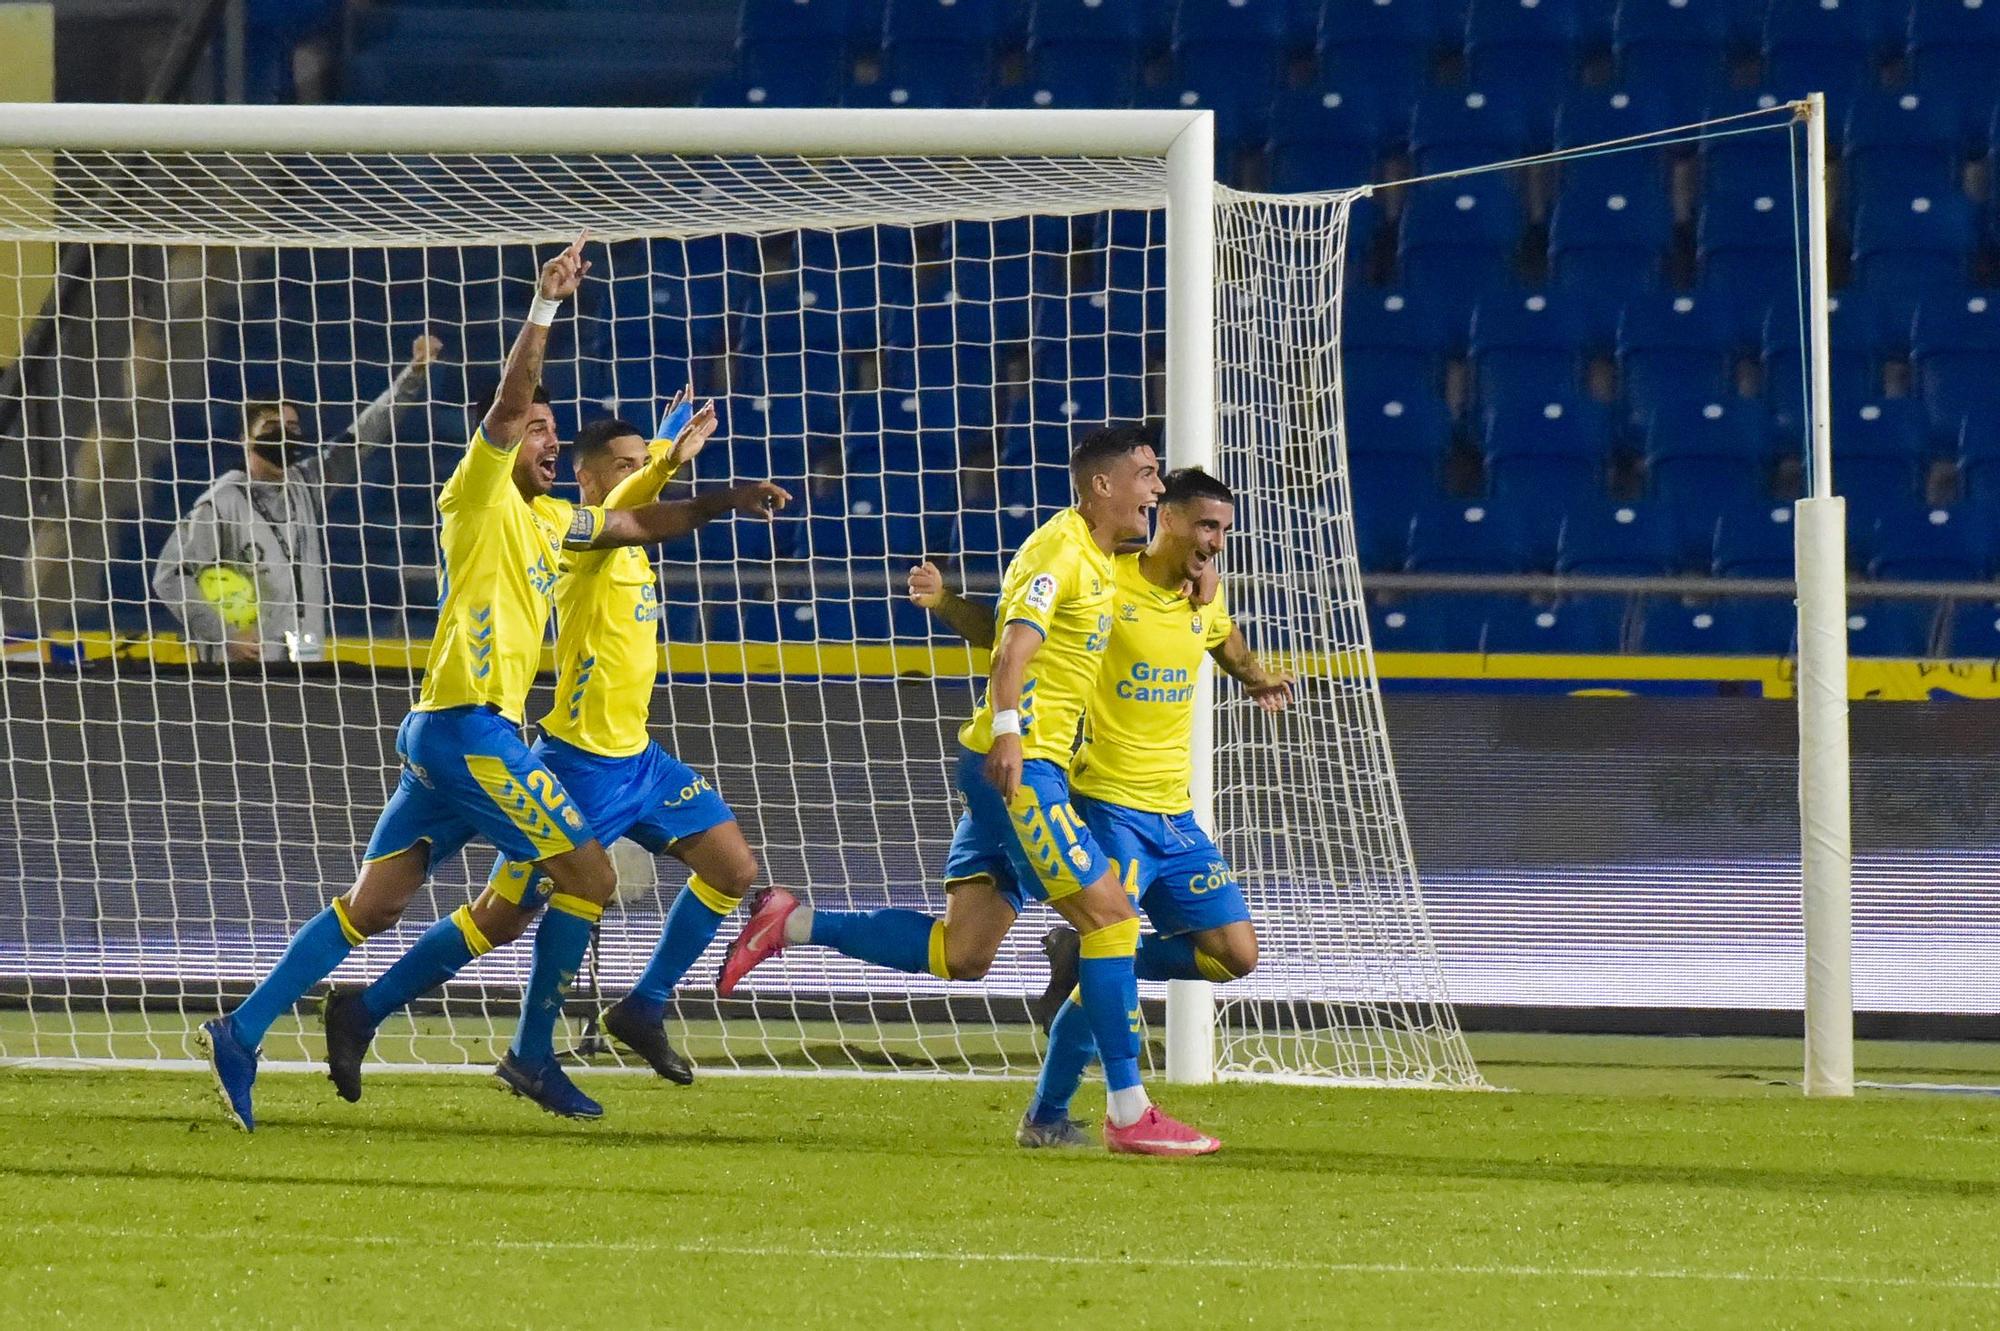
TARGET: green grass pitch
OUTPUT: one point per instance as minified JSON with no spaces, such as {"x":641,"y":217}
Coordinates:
{"x":1630,"y":1183}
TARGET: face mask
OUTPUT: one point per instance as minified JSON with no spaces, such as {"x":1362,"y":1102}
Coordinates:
{"x":277,"y":446}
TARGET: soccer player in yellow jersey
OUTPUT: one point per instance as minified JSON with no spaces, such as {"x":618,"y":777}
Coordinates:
{"x":595,"y":741}
{"x":465,"y":769}
{"x":1020,"y":838}
{"x":1132,"y":772}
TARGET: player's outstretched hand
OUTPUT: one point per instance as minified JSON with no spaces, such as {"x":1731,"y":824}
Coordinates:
{"x":1003,"y":765}
{"x":1274,"y":694}
{"x":425,"y":350}
{"x":694,"y":435}
{"x":760,"y":500}
{"x":926,"y":586}
{"x":677,"y":415}
{"x":562,"y":275}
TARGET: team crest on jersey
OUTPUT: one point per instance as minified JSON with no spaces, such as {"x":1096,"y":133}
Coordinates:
{"x":572,"y":817}
{"x":1194,"y":622}
{"x":1079,"y":857}
{"x":1128,"y":613}
{"x":1042,"y":591}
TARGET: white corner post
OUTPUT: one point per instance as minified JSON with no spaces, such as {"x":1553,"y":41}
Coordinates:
{"x":1826,"y":853}
{"x":1191,"y":443}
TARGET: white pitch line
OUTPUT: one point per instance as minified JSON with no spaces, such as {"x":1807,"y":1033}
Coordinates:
{"x":962,"y":1257}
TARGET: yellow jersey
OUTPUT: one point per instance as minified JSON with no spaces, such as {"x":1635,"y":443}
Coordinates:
{"x":1060,"y":582}
{"x":1138,"y":735}
{"x":497,"y":557}
{"x":608,"y":635}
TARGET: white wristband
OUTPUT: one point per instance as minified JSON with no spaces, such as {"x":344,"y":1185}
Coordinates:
{"x":543,"y":311}
{"x":1006,"y":723}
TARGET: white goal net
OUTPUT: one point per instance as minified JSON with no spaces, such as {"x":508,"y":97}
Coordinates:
{"x":909,"y":341}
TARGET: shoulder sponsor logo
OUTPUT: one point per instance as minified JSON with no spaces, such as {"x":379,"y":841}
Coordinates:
{"x":1042,"y":591}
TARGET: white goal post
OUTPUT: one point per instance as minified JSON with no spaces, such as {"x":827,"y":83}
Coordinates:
{"x":1351,"y":988}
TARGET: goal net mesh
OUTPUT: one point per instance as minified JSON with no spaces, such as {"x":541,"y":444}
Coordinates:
{"x":910,"y":344}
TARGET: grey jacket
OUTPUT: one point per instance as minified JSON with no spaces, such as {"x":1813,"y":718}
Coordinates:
{"x":275,"y":532}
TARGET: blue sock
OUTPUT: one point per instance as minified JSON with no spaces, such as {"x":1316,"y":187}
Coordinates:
{"x":691,"y":924}
{"x":1166,"y":959}
{"x":899,"y":939}
{"x":1071,"y":1048}
{"x":560,"y":942}
{"x":445,"y":949}
{"x":1110,"y":991}
{"x":313,"y":954}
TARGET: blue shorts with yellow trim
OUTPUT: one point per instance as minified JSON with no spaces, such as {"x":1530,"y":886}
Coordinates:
{"x":1036,"y":849}
{"x":466,"y":773}
{"x":1169,"y":865}
{"x":650,"y":796}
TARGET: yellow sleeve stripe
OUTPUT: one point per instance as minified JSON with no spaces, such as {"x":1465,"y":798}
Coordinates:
{"x":475,"y":941}
{"x":589,"y":911}
{"x":1113,"y":940}
{"x":353,"y":935}
{"x":716,"y":901}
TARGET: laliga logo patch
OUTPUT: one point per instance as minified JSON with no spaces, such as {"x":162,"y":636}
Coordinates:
{"x":572,"y":817}
{"x":1195,"y":623}
{"x":1079,"y":857}
{"x":1042,"y":591}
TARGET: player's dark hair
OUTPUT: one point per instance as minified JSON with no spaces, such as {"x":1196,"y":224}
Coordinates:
{"x":1101,"y":447}
{"x":485,"y":402}
{"x":594,"y":439}
{"x":1191,"y":483}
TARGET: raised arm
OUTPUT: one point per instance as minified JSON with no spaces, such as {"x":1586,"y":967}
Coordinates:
{"x":968,"y":619}
{"x":668,"y":455}
{"x":344,"y":453}
{"x":507,"y":419}
{"x":1272,"y":689}
{"x":667,"y":519}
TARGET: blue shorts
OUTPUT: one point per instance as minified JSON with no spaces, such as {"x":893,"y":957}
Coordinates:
{"x":1038,"y":848}
{"x":1168,"y":865}
{"x":650,"y":796}
{"x":466,"y":773}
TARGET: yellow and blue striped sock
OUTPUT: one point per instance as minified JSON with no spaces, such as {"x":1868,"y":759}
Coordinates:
{"x":314,"y":953}
{"x":560,"y":942}
{"x":691,"y":924}
{"x":898,"y":939}
{"x":1071,"y":1049}
{"x":446,"y":948}
{"x":1110,"y":993}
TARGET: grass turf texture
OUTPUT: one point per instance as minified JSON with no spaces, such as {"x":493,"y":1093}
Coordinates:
{"x":1635,"y":1182}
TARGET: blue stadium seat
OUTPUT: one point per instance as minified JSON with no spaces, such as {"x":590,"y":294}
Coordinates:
{"x":1971,"y":631}
{"x":1240,"y":94}
{"x":1925,"y":543}
{"x":1543,"y":460}
{"x":1385,"y":44}
{"x":1520,"y":45}
{"x":1611,"y":241}
{"x":1891,"y":628}
{"x":791,"y":71}
{"x":1575,"y":625}
{"x":1955,"y":45}
{"x":1955,"y":352}
{"x":1677,"y":47}
{"x":1600,"y":115}
{"x":1453,"y":128}
{"x":971,"y":22}
{"x":1527,"y":345}
{"x":1466,"y":536}
{"x":1750,"y":244}
{"x":1749,"y":164}
{"x":1906,"y":248}
{"x":1465,"y":232}
{"x":1611,"y":539}
{"x":1436,"y":622}
{"x":1086,"y":22}
{"x":1413,"y":424}
{"x":1880,"y":448}
{"x":1225,"y":26}
{"x":1394,"y":342}
{"x":1902,"y":144}
{"x":1754,"y":539}
{"x":1672,"y":347}
{"x":1704,"y":458}
{"x":1394,"y":451}
{"x":1857,"y":346}
{"x":1724,"y":626}
{"x":1070,"y":72}
{"x":1324,"y":137}
{"x":1825,"y":46}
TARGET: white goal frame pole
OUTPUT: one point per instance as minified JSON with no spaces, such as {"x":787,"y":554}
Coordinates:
{"x":1826,"y":848}
{"x":1191,"y":443}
